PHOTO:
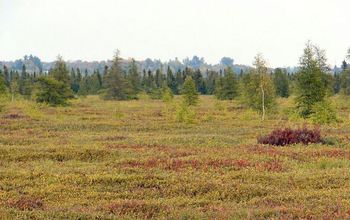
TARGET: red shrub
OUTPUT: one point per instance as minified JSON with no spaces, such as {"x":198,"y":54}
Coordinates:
{"x":287,"y":136}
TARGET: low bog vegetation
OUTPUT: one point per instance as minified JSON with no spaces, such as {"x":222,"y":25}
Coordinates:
{"x":99,"y":159}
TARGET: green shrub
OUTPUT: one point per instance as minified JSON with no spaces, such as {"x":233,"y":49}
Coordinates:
{"x":323,"y":113}
{"x":155,"y":94}
{"x":185,"y":114}
{"x":167,"y":95}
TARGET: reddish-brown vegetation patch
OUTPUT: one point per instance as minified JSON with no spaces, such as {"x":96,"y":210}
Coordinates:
{"x":13,"y":116}
{"x":288,"y":136}
{"x":137,"y":208}
{"x":273,"y":152}
{"x":271,"y":166}
{"x":111,"y":138}
{"x":332,"y":153}
{"x":26,"y":203}
{"x":178,"y":164}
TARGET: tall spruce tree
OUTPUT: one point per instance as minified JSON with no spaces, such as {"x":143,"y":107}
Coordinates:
{"x":74,"y":81}
{"x":159,"y":78}
{"x":115,"y":85}
{"x":134,"y":77}
{"x":199,"y":81}
{"x":281,"y":82}
{"x":171,"y":81}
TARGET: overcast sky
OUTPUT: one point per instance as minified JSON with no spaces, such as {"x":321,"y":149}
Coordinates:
{"x":165,"y":29}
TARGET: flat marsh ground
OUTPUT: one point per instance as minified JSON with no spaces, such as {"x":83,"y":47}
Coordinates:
{"x":100,"y":159}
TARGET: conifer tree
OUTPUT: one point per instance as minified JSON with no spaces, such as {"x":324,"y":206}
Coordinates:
{"x":25,"y":83}
{"x":189,"y":92}
{"x":212,"y":78}
{"x":345,"y":82}
{"x":281,"y":82}
{"x":52,"y":91}
{"x":14,"y":88}
{"x":7,"y":76}
{"x":227,"y":86}
{"x":74,"y":81}
{"x":179,"y":79}
{"x":95,"y":82}
{"x":55,"y":89}
{"x":171,"y":81}
{"x":3,"y":87}
{"x":134,"y":77}
{"x":159,"y":78}
{"x":60,"y":71}
{"x":84,"y":86}
{"x":115,"y":85}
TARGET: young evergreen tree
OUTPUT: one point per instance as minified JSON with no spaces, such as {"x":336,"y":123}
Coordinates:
{"x":25,"y":83}
{"x":281,"y":82}
{"x":179,"y":79}
{"x":14,"y":88}
{"x":345,"y":82}
{"x":74,"y":81}
{"x":337,"y":83}
{"x":60,"y":72}
{"x":52,"y":91}
{"x":311,"y":80}
{"x":84,"y":86}
{"x":189,"y":92}
{"x":115,"y":85}
{"x":7,"y":76}
{"x":226,"y":88}
{"x":144,"y":80}
{"x":199,"y":81}
{"x":150,"y":83}
{"x":134,"y":77}
{"x":171,"y":81}
{"x":3,"y":87}
{"x":159,"y":78}
{"x":212,"y":80}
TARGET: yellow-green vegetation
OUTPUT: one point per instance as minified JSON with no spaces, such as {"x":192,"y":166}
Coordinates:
{"x":97,"y":159}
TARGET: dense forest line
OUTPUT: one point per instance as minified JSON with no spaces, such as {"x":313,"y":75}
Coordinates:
{"x":258,"y":87}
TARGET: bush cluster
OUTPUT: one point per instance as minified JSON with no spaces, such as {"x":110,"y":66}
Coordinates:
{"x":287,"y":136}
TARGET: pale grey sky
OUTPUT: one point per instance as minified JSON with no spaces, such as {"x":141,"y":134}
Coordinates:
{"x":165,"y":29}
